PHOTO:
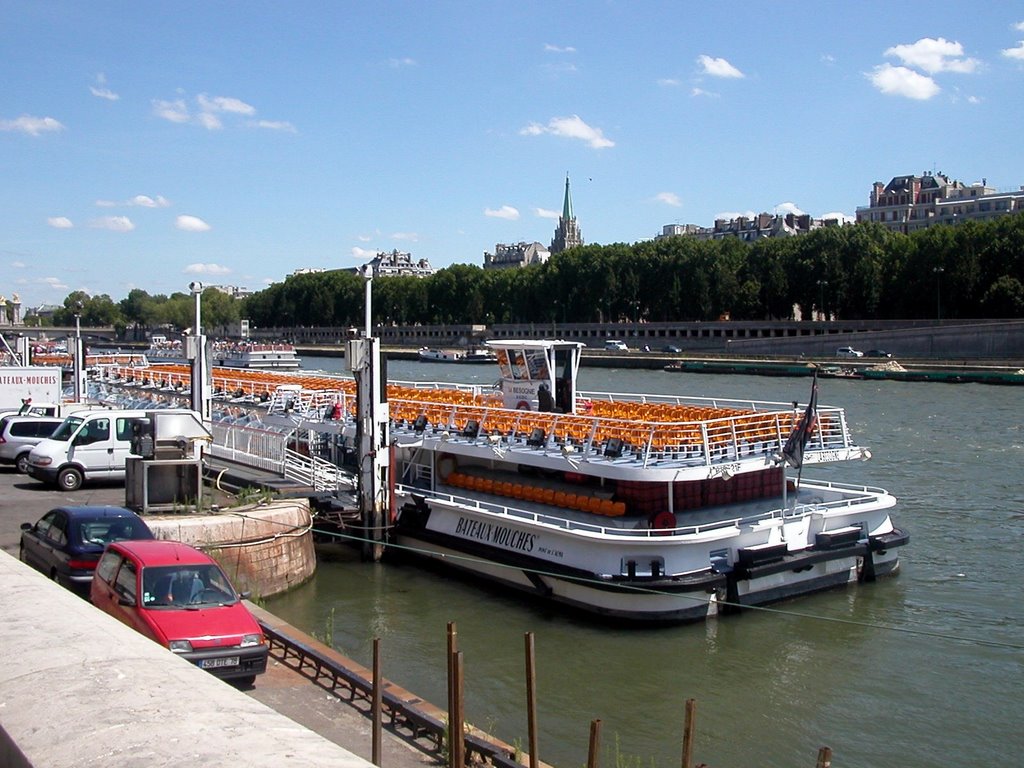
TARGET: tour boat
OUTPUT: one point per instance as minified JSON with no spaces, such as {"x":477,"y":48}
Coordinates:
{"x":479,"y":356}
{"x":647,"y":508}
{"x":228,"y":354}
{"x":428,"y":355}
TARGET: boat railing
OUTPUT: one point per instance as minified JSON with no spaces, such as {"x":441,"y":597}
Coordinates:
{"x":867,"y":495}
{"x":262,"y":448}
{"x":623,"y":433}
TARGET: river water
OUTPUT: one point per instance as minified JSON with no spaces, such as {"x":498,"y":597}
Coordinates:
{"x":925,"y":669}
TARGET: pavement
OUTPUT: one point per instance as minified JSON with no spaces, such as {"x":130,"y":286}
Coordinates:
{"x":23,"y":499}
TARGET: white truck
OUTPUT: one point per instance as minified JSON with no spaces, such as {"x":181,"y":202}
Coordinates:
{"x":35,"y":388}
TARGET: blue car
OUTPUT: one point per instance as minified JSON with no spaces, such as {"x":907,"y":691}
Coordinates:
{"x":66,"y":543}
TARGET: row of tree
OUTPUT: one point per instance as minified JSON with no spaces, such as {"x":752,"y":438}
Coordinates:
{"x":867,"y":271}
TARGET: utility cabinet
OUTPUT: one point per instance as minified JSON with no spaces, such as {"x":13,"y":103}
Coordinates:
{"x":163,"y":485}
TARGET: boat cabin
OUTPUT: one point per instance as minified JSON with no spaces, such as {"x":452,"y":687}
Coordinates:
{"x":538,"y":375}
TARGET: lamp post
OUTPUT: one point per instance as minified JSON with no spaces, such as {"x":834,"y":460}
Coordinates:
{"x":821,"y":298}
{"x":78,"y":360}
{"x":202,"y":374}
{"x":938,"y":292}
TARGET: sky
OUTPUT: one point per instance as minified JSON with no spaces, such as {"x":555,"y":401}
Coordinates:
{"x":150,"y":145}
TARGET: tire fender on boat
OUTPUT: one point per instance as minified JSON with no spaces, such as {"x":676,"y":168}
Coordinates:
{"x":446,"y":464}
{"x":663,"y":521}
{"x":523,"y":405}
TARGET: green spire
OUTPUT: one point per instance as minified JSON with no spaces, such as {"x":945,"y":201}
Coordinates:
{"x":567,"y":205}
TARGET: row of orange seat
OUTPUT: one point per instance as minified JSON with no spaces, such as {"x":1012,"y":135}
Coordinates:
{"x":583,"y":502}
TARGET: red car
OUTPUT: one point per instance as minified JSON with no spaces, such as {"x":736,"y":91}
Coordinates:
{"x":179,"y":597}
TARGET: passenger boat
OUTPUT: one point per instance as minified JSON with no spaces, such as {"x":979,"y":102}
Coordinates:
{"x":428,"y":355}
{"x":227,"y":354}
{"x":646,"y":508}
{"x":479,"y":356}
{"x":279,"y":357}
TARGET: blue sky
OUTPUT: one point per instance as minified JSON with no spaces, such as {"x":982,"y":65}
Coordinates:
{"x":147,"y":145}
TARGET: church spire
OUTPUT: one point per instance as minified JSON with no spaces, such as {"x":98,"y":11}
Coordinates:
{"x":568,"y":233}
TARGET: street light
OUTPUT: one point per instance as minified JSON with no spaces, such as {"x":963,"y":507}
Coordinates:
{"x":938,"y":292}
{"x":821,"y":298}
{"x":78,"y":361}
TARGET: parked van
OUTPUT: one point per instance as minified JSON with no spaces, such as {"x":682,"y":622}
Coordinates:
{"x":91,"y":445}
{"x":615,"y":345}
{"x":19,"y":434}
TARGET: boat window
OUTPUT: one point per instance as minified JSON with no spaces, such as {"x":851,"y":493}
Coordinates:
{"x":537,"y":364}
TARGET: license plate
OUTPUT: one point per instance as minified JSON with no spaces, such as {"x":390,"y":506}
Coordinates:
{"x":227,"y":661}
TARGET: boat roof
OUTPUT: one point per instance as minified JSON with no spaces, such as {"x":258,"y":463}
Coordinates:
{"x":535,"y":344}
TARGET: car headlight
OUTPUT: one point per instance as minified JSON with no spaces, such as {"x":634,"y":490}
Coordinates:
{"x":180,"y":646}
{"x":249,"y":640}
{"x":42,"y":461}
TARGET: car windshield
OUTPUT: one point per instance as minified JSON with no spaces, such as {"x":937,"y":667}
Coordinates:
{"x":181,"y":586}
{"x":103,"y":530}
{"x":67,"y":428}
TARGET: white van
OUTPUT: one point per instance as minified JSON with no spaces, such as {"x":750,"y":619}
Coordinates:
{"x":88,"y":445}
{"x":615,"y":345}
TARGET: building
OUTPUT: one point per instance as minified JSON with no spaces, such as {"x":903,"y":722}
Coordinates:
{"x":568,"y":233}
{"x":398,"y":263}
{"x":234,"y":291}
{"x":749,"y":228}
{"x":516,"y":255}
{"x":909,"y":203}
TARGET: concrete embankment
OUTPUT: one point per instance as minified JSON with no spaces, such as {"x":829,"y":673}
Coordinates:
{"x":81,"y":688}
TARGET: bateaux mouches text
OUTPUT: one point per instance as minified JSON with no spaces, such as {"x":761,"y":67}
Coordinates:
{"x":500,"y":535}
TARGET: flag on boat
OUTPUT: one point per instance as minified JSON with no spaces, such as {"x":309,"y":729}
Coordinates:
{"x":793,"y":452}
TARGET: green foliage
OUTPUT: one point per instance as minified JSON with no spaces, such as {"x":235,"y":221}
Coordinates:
{"x":972,"y":270}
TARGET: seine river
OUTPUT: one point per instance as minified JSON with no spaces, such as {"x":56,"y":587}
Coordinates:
{"x":925,"y":669}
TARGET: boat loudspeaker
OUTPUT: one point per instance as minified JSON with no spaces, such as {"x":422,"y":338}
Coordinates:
{"x":421,"y":423}
{"x":472,"y":428}
{"x":613,"y":448}
{"x":536,"y":438}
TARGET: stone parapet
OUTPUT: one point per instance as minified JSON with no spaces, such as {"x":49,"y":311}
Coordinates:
{"x":265,"y":549}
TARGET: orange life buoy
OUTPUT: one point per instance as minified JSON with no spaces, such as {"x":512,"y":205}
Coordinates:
{"x":663,"y":520}
{"x":522,"y":405}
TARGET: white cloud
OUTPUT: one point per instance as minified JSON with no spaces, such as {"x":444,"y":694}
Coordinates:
{"x":225,"y":104}
{"x":544,"y":213}
{"x":1015,"y":53}
{"x":18,"y":264}
{"x":206,"y":269}
{"x":717,"y":67}
{"x":558,"y":49}
{"x":934,"y":55}
{"x":506,"y":212}
{"x":363,"y":254}
{"x":783,"y":208}
{"x":730,"y":215}
{"x":101,"y":91}
{"x":55,"y":283}
{"x":404,"y":61}
{"x":570,"y":128}
{"x":900,"y":81}
{"x":191,"y":224}
{"x":407,"y":236}
{"x":669,"y":198}
{"x":844,"y":218}
{"x":145,"y":201}
{"x":60,"y":222}
{"x":209,"y":121}
{"x":33,"y":126}
{"x":668,"y":82}
{"x":113,"y":223}
{"x":828,"y":58}
{"x":1019,"y":26}
{"x":276,"y":125}
{"x":176,"y":111}
{"x":702,"y":92}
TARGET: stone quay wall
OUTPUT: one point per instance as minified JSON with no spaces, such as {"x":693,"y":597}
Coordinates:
{"x":265,"y":549}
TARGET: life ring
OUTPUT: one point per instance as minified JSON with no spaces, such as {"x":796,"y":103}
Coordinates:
{"x":446,"y":464}
{"x":523,"y":405}
{"x":663,"y":521}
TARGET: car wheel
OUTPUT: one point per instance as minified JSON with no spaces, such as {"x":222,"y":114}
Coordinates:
{"x":69,"y":479}
{"x":21,"y":463}
{"x":245,"y":682}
